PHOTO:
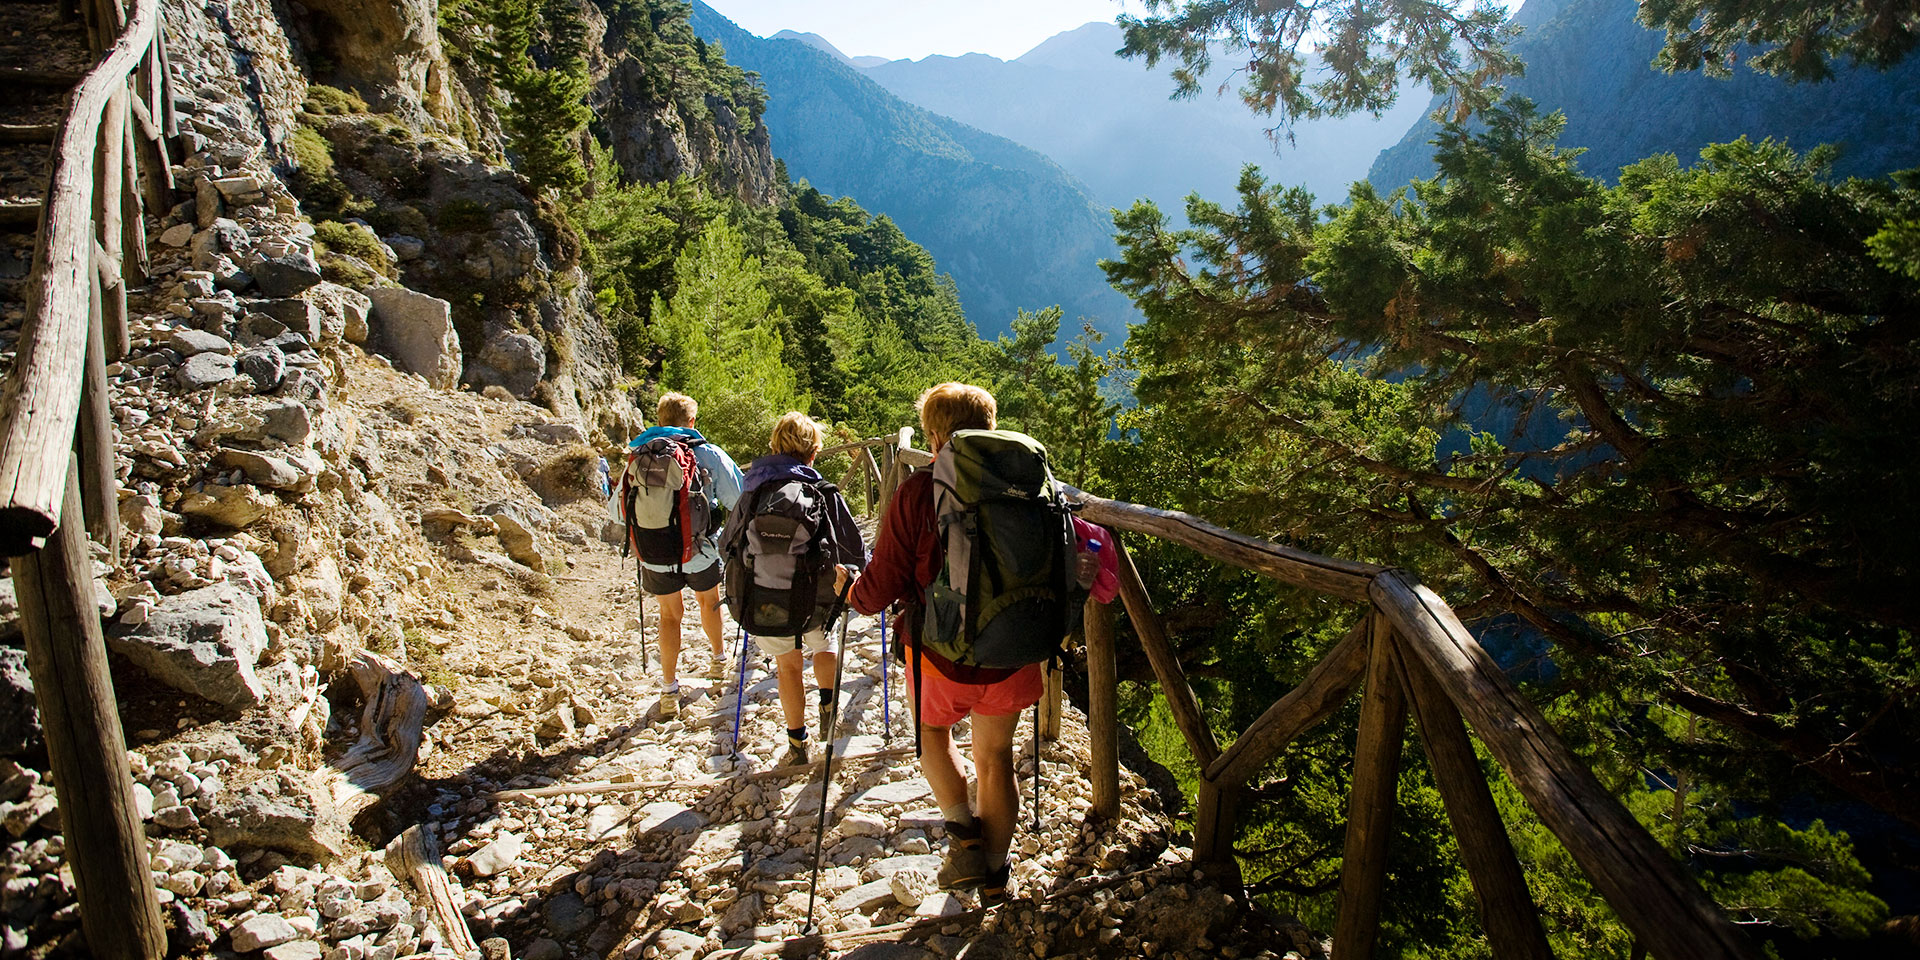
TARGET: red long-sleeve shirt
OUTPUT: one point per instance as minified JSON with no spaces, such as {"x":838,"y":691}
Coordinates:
{"x":906,"y":555}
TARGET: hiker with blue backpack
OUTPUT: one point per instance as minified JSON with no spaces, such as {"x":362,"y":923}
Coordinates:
{"x":671,"y":489}
{"x":781,"y":548}
{"x":983,"y":552}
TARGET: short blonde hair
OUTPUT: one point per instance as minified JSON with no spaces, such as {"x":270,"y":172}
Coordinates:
{"x":955,"y":406}
{"x":676,"y":410}
{"x":797,"y":436}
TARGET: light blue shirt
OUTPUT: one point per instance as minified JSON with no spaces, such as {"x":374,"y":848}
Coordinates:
{"x":727,"y":484}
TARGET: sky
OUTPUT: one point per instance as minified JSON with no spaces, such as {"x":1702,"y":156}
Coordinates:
{"x":912,"y":29}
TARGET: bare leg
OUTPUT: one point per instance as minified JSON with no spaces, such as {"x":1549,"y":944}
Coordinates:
{"x":940,"y":764}
{"x":710,"y":620}
{"x":999,"y":795}
{"x":672,"y":609}
{"x":793,"y":700}
{"x":823,"y":669}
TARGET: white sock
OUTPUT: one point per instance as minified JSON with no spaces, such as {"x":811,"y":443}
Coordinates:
{"x":673,"y":687}
{"x":960,"y":814}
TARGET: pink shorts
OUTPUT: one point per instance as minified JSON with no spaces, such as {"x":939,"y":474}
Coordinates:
{"x":945,"y":702}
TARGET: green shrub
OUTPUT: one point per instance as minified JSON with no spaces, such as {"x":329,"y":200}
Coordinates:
{"x":399,"y":218}
{"x":314,"y":181}
{"x":355,"y":241}
{"x":462,"y":215}
{"x":332,"y":101}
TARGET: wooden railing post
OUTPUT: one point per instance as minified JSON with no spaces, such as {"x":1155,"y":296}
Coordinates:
{"x":1103,"y":719}
{"x":1316,"y":698}
{"x":1507,"y":912}
{"x":1653,"y":896}
{"x":67,"y":656}
{"x":1215,"y":805}
{"x":93,"y":440}
{"x":1376,"y":774}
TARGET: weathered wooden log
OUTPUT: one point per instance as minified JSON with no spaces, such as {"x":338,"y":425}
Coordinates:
{"x":42,"y":395}
{"x":1316,"y":698}
{"x":133,"y":223}
{"x":1215,"y":812}
{"x":67,"y":656}
{"x":873,"y":480}
{"x":1507,"y":912}
{"x":27,"y":132}
{"x":414,"y":855}
{"x":392,"y":726}
{"x":1376,"y":773}
{"x":1050,"y":705}
{"x":23,"y":76}
{"x":1103,"y":715}
{"x":1340,"y":578}
{"x":1166,"y":664}
{"x":1654,"y":897}
{"x":93,"y":439}
{"x":20,"y":213}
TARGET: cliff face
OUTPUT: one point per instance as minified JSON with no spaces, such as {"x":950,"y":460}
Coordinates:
{"x":410,"y":146}
{"x":663,"y":124}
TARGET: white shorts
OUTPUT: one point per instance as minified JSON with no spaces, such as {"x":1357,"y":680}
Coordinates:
{"x":813,"y":641}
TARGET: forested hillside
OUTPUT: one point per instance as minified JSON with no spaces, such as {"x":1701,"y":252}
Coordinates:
{"x":1014,"y":230}
{"x":1592,"y":61}
{"x":1111,"y":124}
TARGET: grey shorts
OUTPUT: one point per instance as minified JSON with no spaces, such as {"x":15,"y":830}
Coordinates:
{"x":656,"y":583}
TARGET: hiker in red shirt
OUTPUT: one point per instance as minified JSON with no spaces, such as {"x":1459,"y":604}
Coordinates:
{"x":907,"y":557}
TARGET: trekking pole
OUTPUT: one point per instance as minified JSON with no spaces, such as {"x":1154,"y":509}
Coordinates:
{"x":826,"y":769}
{"x":740,"y":691}
{"x":886,"y":694}
{"x":1036,"y":755}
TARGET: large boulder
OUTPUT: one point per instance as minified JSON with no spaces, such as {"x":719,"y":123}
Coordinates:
{"x":283,"y":271}
{"x":417,"y":332}
{"x":204,"y":642}
{"x":290,"y":811}
{"x":19,"y":712}
{"x":513,"y":361}
{"x":343,"y":312}
{"x":237,"y":506}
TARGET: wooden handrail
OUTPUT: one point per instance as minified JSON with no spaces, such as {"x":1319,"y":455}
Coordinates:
{"x":1416,"y":652}
{"x":42,"y":397}
{"x":1346,"y":579}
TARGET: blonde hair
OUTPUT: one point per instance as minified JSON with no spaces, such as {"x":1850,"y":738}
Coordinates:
{"x":955,"y":406}
{"x":797,"y":436}
{"x":676,"y":410}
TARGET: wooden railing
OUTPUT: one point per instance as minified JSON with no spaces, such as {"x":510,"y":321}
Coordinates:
{"x":57,"y":477}
{"x":1417,"y":659}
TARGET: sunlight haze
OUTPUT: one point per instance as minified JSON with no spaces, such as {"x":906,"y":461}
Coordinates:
{"x":915,"y":29}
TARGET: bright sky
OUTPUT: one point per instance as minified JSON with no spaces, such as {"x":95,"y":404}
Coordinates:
{"x":912,"y":29}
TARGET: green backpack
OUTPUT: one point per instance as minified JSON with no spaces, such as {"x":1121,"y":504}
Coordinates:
{"x":1005,"y":597}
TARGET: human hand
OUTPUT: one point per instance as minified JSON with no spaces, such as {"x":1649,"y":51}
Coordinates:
{"x":840,"y":578}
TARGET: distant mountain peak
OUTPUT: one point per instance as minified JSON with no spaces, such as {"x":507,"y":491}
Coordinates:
{"x":815,"y":41}
{"x":1076,"y":48}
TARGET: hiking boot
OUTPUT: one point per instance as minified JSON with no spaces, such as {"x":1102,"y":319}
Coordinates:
{"x":796,"y":755}
{"x":670,"y":705}
{"x":717,"y":669}
{"x":965,"y":865}
{"x":993,"y":888}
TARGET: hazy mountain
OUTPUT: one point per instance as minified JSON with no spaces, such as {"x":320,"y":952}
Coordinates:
{"x":819,"y":42}
{"x":1590,"y":59}
{"x":1012,"y":228}
{"x":1110,"y":123}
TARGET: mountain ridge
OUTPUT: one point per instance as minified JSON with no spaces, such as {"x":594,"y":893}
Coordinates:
{"x":1013,"y":229}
